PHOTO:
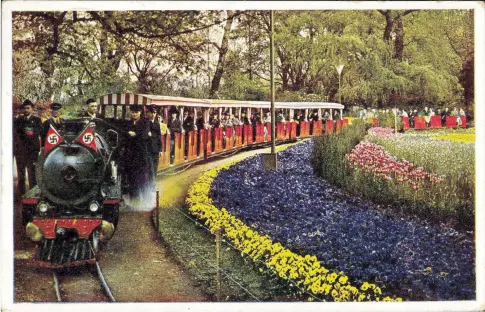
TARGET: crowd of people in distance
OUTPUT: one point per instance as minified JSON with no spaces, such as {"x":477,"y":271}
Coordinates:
{"x":426,"y":112}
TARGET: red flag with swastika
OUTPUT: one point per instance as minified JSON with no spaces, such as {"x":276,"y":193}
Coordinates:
{"x":87,"y":138}
{"x":52,"y":139}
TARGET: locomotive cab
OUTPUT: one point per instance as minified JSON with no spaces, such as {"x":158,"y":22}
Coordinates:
{"x":76,"y":202}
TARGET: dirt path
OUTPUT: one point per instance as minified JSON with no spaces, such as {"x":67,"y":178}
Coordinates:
{"x":137,"y":267}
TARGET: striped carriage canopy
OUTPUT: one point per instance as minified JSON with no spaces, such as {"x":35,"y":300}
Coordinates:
{"x":160,"y":100}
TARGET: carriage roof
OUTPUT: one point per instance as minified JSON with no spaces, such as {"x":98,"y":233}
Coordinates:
{"x":160,"y":100}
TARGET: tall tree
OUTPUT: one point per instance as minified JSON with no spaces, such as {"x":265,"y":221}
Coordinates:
{"x":223,"y":48}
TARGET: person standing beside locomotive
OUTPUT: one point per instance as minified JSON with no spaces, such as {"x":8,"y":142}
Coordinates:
{"x":28,"y":129}
{"x":136,"y":161}
{"x":55,"y":120}
{"x":91,"y":110}
{"x":155,"y":138}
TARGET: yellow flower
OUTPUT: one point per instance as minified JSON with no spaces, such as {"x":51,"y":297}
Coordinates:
{"x":343,"y":279}
{"x":364,"y":286}
{"x":334,"y":293}
{"x":305,"y":270}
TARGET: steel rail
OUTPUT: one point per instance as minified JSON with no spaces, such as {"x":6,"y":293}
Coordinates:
{"x":57,"y":286}
{"x":106,"y":288}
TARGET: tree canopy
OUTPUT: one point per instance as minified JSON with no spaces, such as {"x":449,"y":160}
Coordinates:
{"x":386,"y":57}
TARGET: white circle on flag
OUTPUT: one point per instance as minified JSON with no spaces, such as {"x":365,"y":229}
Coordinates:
{"x":88,"y":138}
{"x":53,"y":138}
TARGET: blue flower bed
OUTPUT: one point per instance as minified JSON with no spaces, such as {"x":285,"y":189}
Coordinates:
{"x":405,"y":256}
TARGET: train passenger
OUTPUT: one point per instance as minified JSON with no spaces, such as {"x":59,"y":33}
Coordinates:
{"x":298,"y":119}
{"x":454,"y":112}
{"x":91,"y":110}
{"x":225,"y":123}
{"x":214,"y":122}
{"x":199,"y":124}
{"x":28,"y":129}
{"x":163,"y":126}
{"x":266,"y":119}
{"x":175,"y":126}
{"x":55,"y":120}
{"x":188,"y":124}
{"x":235,"y":121}
{"x":280,"y":117}
{"x":444,"y":114}
{"x":244,"y":119}
{"x":136,"y":161}
{"x":254,"y":121}
{"x":155,"y":138}
{"x":336,"y":115}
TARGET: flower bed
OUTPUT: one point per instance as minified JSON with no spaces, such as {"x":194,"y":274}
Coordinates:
{"x":453,"y":198}
{"x":373,"y":158}
{"x":293,"y":207}
{"x":380,"y":131}
{"x":457,"y":137}
{"x":305,"y":271}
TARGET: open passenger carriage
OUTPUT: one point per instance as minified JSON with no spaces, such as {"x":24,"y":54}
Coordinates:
{"x":210,"y":141}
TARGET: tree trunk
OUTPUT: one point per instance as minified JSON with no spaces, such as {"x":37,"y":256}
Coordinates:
{"x":399,"y":42}
{"x":250,"y":52}
{"x":216,"y":81}
{"x":389,"y":25}
{"x":467,"y":79}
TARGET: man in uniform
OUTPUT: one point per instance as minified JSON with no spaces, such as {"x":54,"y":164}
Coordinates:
{"x":55,"y":120}
{"x":92,"y":109}
{"x":155,"y":138}
{"x":136,"y":161}
{"x":28,"y":129}
{"x":174,"y":126}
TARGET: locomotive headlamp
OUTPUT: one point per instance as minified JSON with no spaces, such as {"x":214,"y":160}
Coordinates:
{"x":93,"y":207}
{"x":34,"y":232}
{"x":43,"y":207}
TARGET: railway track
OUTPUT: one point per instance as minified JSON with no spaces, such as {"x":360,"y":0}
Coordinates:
{"x":107,"y":294}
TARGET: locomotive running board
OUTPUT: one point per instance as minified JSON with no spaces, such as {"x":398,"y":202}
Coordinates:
{"x":59,"y":253}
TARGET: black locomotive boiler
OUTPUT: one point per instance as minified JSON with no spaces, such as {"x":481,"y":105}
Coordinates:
{"x":75,"y":205}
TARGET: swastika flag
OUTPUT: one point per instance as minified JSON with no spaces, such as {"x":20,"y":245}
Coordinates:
{"x":52,"y":139}
{"x":87,"y":138}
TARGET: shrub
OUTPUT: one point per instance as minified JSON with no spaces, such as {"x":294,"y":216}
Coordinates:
{"x":328,"y":158}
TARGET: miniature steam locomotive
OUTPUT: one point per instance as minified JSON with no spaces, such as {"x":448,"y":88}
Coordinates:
{"x":75,"y":204}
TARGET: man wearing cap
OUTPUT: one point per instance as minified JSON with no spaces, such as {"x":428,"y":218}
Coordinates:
{"x":136,"y":161}
{"x":91,"y":109}
{"x":55,"y":120}
{"x":155,"y":138}
{"x":28,"y":129}
{"x":174,"y":126}
{"x":188,"y":125}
